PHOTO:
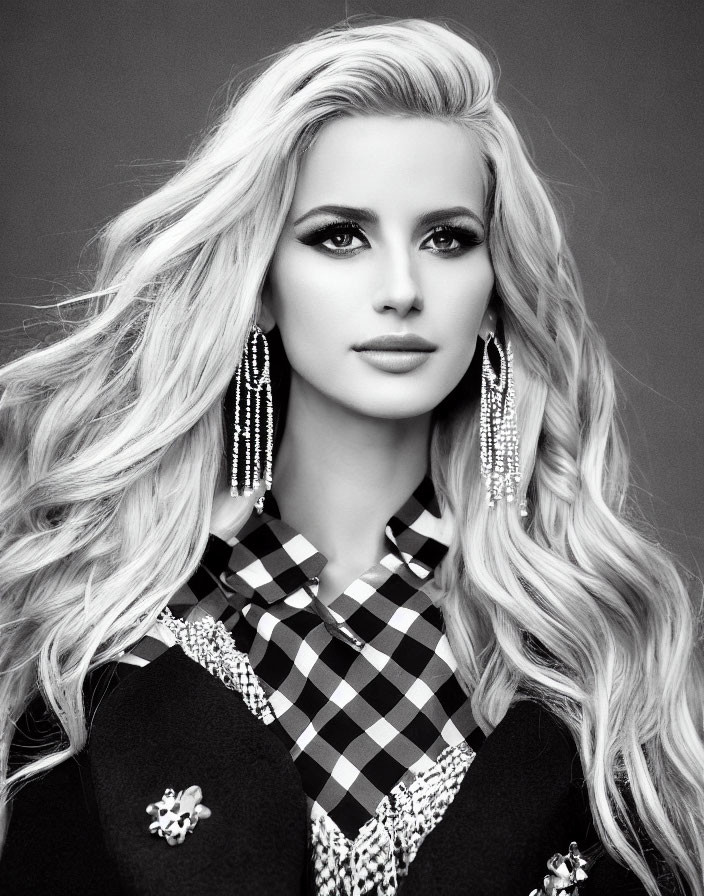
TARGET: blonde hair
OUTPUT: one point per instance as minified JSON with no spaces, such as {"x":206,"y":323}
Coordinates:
{"x":112,"y":442}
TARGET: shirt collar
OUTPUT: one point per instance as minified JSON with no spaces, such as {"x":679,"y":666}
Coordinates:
{"x":271,"y":560}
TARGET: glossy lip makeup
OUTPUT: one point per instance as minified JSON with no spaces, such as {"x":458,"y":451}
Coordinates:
{"x":395,"y":353}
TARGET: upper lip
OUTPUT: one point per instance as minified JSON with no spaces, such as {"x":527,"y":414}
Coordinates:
{"x":395,"y":342}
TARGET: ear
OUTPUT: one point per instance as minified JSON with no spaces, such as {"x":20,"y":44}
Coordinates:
{"x":488,"y":324}
{"x":265,"y":318}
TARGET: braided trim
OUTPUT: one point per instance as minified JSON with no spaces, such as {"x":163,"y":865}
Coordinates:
{"x":211,"y":646}
{"x":386,"y":845}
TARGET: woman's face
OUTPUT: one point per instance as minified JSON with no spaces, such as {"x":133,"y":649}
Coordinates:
{"x":381,"y":278}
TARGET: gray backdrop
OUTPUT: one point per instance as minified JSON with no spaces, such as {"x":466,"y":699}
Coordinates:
{"x":609,"y":94}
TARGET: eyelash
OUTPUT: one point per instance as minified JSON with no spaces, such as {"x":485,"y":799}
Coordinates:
{"x":466,"y":238}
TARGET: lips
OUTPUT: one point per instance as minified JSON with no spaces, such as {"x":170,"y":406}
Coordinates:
{"x":395,"y":342}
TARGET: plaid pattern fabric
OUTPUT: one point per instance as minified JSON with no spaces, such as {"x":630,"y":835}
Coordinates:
{"x":382,"y":852}
{"x":364,"y":690}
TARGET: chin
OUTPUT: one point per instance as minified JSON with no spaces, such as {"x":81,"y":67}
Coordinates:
{"x":395,"y":407}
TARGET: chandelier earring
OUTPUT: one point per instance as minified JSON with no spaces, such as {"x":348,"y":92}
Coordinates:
{"x":498,"y":434}
{"x":250,"y":460}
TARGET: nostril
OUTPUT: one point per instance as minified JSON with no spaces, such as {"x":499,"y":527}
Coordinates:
{"x":403,"y":304}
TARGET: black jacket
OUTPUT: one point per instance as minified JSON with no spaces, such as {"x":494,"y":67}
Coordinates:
{"x":83,"y":828}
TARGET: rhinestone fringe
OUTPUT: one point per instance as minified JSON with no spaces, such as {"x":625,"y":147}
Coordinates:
{"x":252,"y":449}
{"x":498,"y":435}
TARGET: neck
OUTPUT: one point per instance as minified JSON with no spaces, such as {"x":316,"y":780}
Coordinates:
{"x":339,"y":476}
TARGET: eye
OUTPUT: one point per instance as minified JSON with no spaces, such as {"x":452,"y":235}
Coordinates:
{"x":451,"y":240}
{"x":339,"y":238}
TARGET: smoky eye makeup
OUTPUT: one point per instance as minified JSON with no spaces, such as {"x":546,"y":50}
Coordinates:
{"x":447,"y":237}
{"x":463,"y":236}
{"x":341,"y":234}
{"x":329,"y":228}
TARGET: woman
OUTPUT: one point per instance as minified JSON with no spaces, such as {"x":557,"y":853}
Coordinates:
{"x":441,"y":654}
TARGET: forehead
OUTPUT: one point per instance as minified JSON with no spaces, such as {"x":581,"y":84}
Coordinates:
{"x":384,"y":160}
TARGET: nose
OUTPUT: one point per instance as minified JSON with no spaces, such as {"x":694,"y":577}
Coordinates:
{"x":399,"y":290}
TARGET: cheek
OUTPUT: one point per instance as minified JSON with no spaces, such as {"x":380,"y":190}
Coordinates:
{"x":467,"y":296}
{"x":310,"y":300}
{"x":307,"y":322}
{"x":305,"y":311}
{"x":294,"y":297}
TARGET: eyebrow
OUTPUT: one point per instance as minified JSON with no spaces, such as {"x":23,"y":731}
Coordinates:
{"x":367,"y":216}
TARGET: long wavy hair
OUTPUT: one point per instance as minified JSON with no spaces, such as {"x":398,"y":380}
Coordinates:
{"x":112,"y":441}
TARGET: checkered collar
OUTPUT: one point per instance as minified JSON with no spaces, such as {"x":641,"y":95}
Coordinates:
{"x":270,"y":560}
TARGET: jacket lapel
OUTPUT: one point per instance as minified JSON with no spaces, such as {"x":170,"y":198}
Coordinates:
{"x":175,"y":725}
{"x":520,"y":802}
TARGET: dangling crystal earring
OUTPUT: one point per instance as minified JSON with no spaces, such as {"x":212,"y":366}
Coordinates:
{"x":498,"y":435}
{"x":253,"y":436}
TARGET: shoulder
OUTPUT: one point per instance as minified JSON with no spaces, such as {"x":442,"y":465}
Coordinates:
{"x":173,"y":725}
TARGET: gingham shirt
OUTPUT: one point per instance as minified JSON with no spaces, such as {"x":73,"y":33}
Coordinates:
{"x":364,"y":691}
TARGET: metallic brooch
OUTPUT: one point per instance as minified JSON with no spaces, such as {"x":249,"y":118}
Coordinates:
{"x":566,"y":873}
{"x":177,"y":814}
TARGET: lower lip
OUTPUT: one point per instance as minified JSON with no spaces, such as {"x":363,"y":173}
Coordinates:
{"x":394,"y":361}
